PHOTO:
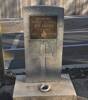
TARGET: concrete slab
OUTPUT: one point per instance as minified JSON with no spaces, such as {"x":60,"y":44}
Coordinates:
{"x":62,"y":89}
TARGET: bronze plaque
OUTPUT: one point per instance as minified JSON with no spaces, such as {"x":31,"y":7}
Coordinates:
{"x":43,"y":27}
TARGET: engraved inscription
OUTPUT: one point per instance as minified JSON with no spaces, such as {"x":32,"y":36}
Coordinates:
{"x":43,"y":27}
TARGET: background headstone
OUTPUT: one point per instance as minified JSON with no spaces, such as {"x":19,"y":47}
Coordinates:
{"x":1,"y":61}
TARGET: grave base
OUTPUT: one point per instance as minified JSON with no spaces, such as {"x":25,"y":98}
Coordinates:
{"x":60,"y":90}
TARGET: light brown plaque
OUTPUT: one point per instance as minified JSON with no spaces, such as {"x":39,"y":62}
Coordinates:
{"x":43,"y":27}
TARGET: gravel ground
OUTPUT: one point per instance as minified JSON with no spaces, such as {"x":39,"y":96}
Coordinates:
{"x":79,"y":77}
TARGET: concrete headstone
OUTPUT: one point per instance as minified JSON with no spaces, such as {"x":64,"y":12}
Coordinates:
{"x":43,"y":36}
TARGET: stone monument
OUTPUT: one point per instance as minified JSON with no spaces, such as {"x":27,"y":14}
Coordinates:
{"x":1,"y":63}
{"x":7,"y":78}
{"x":43,"y":37}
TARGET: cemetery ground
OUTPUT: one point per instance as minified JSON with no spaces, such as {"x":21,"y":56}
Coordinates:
{"x":75,"y":51}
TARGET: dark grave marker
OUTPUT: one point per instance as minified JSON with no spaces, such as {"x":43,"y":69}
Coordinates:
{"x":1,"y":62}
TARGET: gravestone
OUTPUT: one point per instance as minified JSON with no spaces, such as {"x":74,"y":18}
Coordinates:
{"x":43,"y":28}
{"x":43,"y":37}
{"x":1,"y":62}
{"x":7,"y":78}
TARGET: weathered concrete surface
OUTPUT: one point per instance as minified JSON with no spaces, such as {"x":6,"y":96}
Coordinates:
{"x":43,"y":57}
{"x":11,"y":26}
{"x":62,"y":89}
